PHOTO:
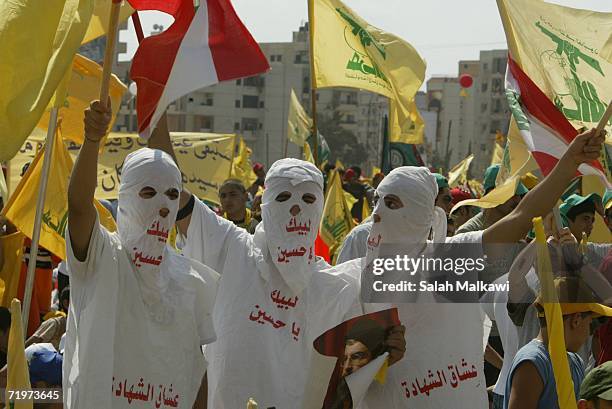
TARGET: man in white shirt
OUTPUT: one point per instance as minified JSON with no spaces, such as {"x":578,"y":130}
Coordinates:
{"x":441,"y":334}
{"x":275,"y":296}
{"x":139,"y":312}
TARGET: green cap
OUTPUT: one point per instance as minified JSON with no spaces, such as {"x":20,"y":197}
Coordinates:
{"x":576,"y":200}
{"x":489,"y":181}
{"x":598,"y":383}
{"x":441,"y":181}
{"x":607,"y":199}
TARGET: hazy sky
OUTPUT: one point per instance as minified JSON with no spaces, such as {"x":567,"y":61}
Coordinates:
{"x":443,"y":31}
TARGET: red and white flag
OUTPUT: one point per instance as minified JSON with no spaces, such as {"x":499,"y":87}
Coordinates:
{"x":204,"y":45}
{"x":545,"y":130}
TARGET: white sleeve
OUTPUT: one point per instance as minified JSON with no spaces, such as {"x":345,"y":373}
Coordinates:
{"x":354,"y":246}
{"x":209,"y":237}
{"x":99,"y":243}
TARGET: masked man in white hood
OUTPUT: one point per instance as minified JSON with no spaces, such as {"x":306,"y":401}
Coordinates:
{"x":443,"y":366}
{"x":275,"y":296}
{"x":139,"y":312}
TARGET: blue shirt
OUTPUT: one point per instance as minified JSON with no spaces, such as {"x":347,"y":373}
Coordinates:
{"x":536,"y":353}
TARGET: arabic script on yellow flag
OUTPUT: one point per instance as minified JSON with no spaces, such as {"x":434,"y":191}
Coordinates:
{"x":560,"y":48}
{"x":39,"y":40}
{"x":17,"y":372}
{"x":83,"y":87}
{"x":349,"y":52}
{"x":21,"y":208}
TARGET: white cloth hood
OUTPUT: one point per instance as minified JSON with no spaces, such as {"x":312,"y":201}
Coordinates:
{"x":142,"y":230}
{"x":416,"y":187}
{"x":286,"y":240}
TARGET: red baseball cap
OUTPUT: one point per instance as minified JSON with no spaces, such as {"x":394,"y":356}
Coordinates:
{"x":460,"y":194}
{"x":349,"y":174}
{"x":257,"y":166}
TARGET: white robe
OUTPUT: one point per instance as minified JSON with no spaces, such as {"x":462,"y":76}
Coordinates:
{"x":121,"y":353}
{"x":437,"y":336}
{"x":265,"y":332}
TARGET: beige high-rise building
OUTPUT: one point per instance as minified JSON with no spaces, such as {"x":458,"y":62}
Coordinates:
{"x":468,"y":119}
{"x":257,"y":108}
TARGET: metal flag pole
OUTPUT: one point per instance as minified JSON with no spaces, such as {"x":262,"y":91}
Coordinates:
{"x":40,"y":205}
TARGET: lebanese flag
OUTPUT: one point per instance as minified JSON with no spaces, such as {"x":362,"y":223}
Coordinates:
{"x":202,"y":47}
{"x":545,"y":130}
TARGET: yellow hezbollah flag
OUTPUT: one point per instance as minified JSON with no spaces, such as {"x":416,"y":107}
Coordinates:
{"x":501,"y":194}
{"x":559,"y":48}
{"x":83,"y":87}
{"x":498,"y":149}
{"x":516,"y":158}
{"x":458,"y":175}
{"x":21,"y":208}
{"x":412,"y":131}
{"x":554,"y":321}
{"x":98,"y":25}
{"x":300,"y":124}
{"x":12,"y":245}
{"x":308,"y":153}
{"x":32,"y":67}
{"x":337,"y":221}
{"x":366,"y":211}
{"x":600,"y":232}
{"x":18,"y":373}
{"x":241,"y":165}
{"x":349,"y":52}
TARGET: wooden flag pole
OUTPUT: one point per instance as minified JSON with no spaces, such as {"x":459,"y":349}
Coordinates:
{"x":40,"y":205}
{"x":109,"y":53}
{"x":313,"y":85}
{"x":137,"y":27}
{"x":604,"y":119}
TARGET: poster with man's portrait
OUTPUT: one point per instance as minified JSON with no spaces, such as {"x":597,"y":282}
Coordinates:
{"x":361,"y":352}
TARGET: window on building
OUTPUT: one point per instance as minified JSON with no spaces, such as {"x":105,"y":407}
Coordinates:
{"x":485,"y":86}
{"x":497,"y":85}
{"x":483,"y":147}
{"x":497,"y":106}
{"x":483,"y":107}
{"x":237,"y":103}
{"x":190,"y":99}
{"x":485,"y":66}
{"x":207,"y":100}
{"x":279,"y":58}
{"x":255,"y":81}
{"x":261,"y":104}
{"x":465,"y":66}
{"x":250,"y":101}
{"x":349,"y":119}
{"x":499,"y":65}
{"x":494,"y":126}
{"x":203,"y":122}
{"x":250,"y":124}
{"x":236,"y":126}
{"x":239,"y":81}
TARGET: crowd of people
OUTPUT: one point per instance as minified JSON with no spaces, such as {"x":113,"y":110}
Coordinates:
{"x":195,"y":321}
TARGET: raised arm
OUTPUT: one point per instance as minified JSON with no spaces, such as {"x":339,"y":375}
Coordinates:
{"x":81,"y":211}
{"x":541,"y":199}
{"x":160,"y":139}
